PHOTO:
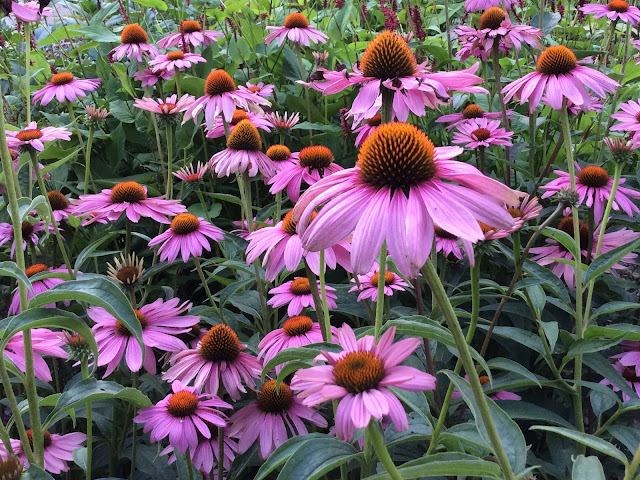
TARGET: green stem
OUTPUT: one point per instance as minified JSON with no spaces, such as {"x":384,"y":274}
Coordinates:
{"x":325,"y":306}
{"x":169,"y":185}
{"x":176,"y":77}
{"x":441,"y":298}
{"x":278,"y":213}
{"x":87,"y":161}
{"x":448,"y":30}
{"x":77,"y":129}
{"x":203,"y":203}
{"x":220,"y":452}
{"x":127,"y":236}
{"x":377,"y":440}
{"x":306,"y":89}
{"x":27,"y":68}
{"x":631,"y":470}
{"x":205,"y":285}
{"x":387,"y":105}
{"x":382,"y":262}
{"x":135,"y":384}
{"x":503,"y":109}
{"x":85,"y":374}
{"x":325,"y":326}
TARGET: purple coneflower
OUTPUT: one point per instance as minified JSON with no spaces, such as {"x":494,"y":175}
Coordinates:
{"x":134,"y":44}
{"x":259,"y":89}
{"x":482,"y":133}
{"x":470,"y":112}
{"x":39,"y":284}
{"x":30,"y":11}
{"x":369,"y":285}
{"x":34,"y":137}
{"x":283,"y":123}
{"x":296,"y":28}
{"x":243,"y":231}
{"x":258,"y":121}
{"x":297,"y":294}
{"x":614,"y":10}
{"x":65,"y":87}
{"x":367,"y":128}
{"x":190,"y":32}
{"x":360,"y":377}
{"x":175,"y":60}
{"x":167,"y":107}
{"x":630,"y":376}
{"x":60,"y":205}
{"x":58,"y":449}
{"x":149,"y":78}
{"x":472,"y":6}
{"x":282,"y":157}
{"x":44,"y":342}
{"x":191,"y":175}
{"x":629,"y":119}
{"x":29,"y":234}
{"x":268,"y":418}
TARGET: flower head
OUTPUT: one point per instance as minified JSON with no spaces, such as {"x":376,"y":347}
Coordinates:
{"x":367,"y":128}
{"x":258,"y":121}
{"x":629,"y":119}
{"x":482,"y":133}
{"x":58,"y":450}
{"x":267,"y":418}
{"x":399,"y":188}
{"x":175,"y":60}
{"x":65,"y":87}
{"x":182,"y":416}
{"x":134,"y":44}
{"x":128,"y":197}
{"x":191,"y":175}
{"x":149,"y":78}
{"x":558,"y":76}
{"x":126,"y":271}
{"x":368,"y":288}
{"x":10,"y":466}
{"x":40,"y":283}
{"x":30,"y":11}
{"x":161,"y":324}
{"x":259,"y":89}
{"x":614,"y":10}
{"x":243,"y":231}
{"x":44,"y":342}
{"x":360,"y":377}
{"x":60,"y":205}
{"x":219,"y":357}
{"x":630,"y":376}
{"x":282,"y":123}
{"x":187,"y":236}
{"x":297,"y":293}
{"x":480,"y":5}
{"x":296,"y":28}
{"x":95,"y":117}
{"x":34,"y":137}
{"x":281,"y":156}
{"x":29,"y":234}
{"x":166,"y":109}
{"x":190,"y":33}
{"x":470,"y":112}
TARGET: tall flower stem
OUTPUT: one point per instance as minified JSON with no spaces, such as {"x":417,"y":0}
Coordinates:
{"x":278,"y":213}
{"x":85,"y":374}
{"x":135,"y":383}
{"x":630,"y":471}
{"x":74,"y":120}
{"x":56,"y":230}
{"x":27,"y":68}
{"x":325,"y":326}
{"x":495,"y":54}
{"x":447,"y":20}
{"x":303,"y":76}
{"x":442,"y":300}
{"x":387,"y":105}
{"x":127,"y":236}
{"x":382,"y":261}
{"x":169,"y":185}
{"x":87,"y":161}
{"x":577,"y":375}
{"x":205,"y":285}
{"x":377,"y":440}
{"x":323,"y":291}
{"x":221,"y":452}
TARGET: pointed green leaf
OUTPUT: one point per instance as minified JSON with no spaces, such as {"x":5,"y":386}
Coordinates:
{"x":316,"y":457}
{"x":604,"y":262}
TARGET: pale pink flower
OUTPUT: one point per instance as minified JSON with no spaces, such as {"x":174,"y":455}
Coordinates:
{"x":175,"y":60}
{"x":30,"y":11}
{"x":369,"y":285}
{"x":243,"y":231}
{"x":296,"y":28}
{"x":470,"y":112}
{"x":284,"y":122}
{"x":367,"y":128}
{"x":191,"y":175}
{"x":29,"y":234}
{"x":34,"y":137}
{"x":482,"y":132}
{"x":297,"y":294}
{"x":58,"y":449}
{"x":167,"y":107}
{"x":40,"y":284}
{"x":614,"y":10}
{"x":190,"y":33}
{"x":258,"y":88}
{"x":65,"y":87}
{"x":149,"y":78}
{"x":473,"y":6}
{"x":628,"y":118}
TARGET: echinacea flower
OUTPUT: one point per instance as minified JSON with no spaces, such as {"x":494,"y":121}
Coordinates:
{"x":622,"y":150}
{"x":60,"y":205}
{"x":258,"y":121}
{"x":548,"y":254}
{"x":388,"y":63}
{"x":39,"y":284}
{"x":65,"y":87}
{"x":398,"y":190}
{"x":30,"y":11}
{"x":282,"y":250}
{"x":259,"y":89}
{"x":222,"y":97}
{"x":314,"y":163}
{"x":528,"y":209}
{"x":130,"y":198}
{"x":10,"y":465}
{"x":368,"y":287}
{"x":297,"y":294}
{"x":594,"y":184}
{"x":614,"y":10}
{"x":470,"y":112}
{"x":360,"y":377}
{"x":450,"y":245}
{"x":190,"y":33}
{"x":481,"y":133}
{"x":295,"y":332}
{"x":161,"y":324}
{"x":499,"y":395}
{"x":558,"y":76}
{"x":596,"y":105}
{"x":630,"y":376}
{"x":191,"y":175}
{"x":281,"y":156}
{"x":187,"y":236}
{"x":179,"y":60}
{"x":29,"y":234}
{"x":296,"y":28}
{"x":58,"y":449}
{"x":149,"y":78}
{"x":182,"y":416}
{"x":34,"y":137}
{"x":282,"y":123}
{"x":473,"y":6}
{"x":134,"y":44}
{"x":268,"y":418}
{"x":243,"y":153}
{"x":367,"y":128}
{"x":629,"y":119}
{"x":126,"y":271}
{"x":631,"y":356}
{"x":243,"y":231}
{"x":95,"y":116}
{"x":218,"y":358}
{"x":165,"y":108}
{"x":44,"y":342}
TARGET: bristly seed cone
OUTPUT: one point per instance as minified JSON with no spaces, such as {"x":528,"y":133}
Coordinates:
{"x":182,"y":404}
{"x":131,"y":192}
{"x":29,"y":134}
{"x":289,"y":226}
{"x":189,"y":26}
{"x":472,"y":111}
{"x":184,"y":224}
{"x":556,"y":60}
{"x":245,"y":136}
{"x":396,"y":155}
{"x":175,"y":56}
{"x":317,"y":157}
{"x":27,"y":230}
{"x":122,"y":329}
{"x":272,"y":401}
{"x":47,"y":438}
{"x":514,"y":212}
{"x":278,"y":153}
{"x":566,"y":225}
{"x":134,"y":33}
{"x":618,"y":6}
{"x":388,"y":278}
{"x":36,"y":268}
{"x":593,"y":176}
{"x":492,"y":18}
{"x":218,"y":82}
{"x":442,"y":233}
{"x":296,"y":20}
{"x":11,"y":468}
{"x":62,"y":78}
{"x":300,"y":286}
{"x":296,"y":326}
{"x":388,"y":56}
{"x":238,"y":116}
{"x":375,"y":121}
{"x":57,"y":200}
{"x":481,"y":134}
{"x":358,"y":371}
{"x":220,"y":344}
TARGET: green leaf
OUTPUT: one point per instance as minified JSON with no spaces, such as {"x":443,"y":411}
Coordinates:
{"x":445,"y":464}
{"x":591,"y":345}
{"x":604,"y":262}
{"x":586,"y":439}
{"x":537,"y":299}
{"x":316,"y":457}
{"x":308,"y":352}
{"x":99,"y":33}
{"x":519,"y":335}
{"x":603,"y":367}
{"x":566,"y":240}
{"x":183,"y":467}
{"x":519,"y":410}
{"x":322,"y":127}
{"x":511,"y":366}
{"x":281,"y":454}
{"x":192,"y":85}
{"x":157,"y":4}
{"x":587,"y":468}
{"x":80,"y":457}
{"x":86,"y":252}
{"x":125,"y":81}
{"x":37,"y":473}
{"x":508,"y":430}
{"x":89,"y":390}
{"x":10,"y":269}
{"x":630,"y":332}
{"x":612,"y":307}
{"x":95,"y":290}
